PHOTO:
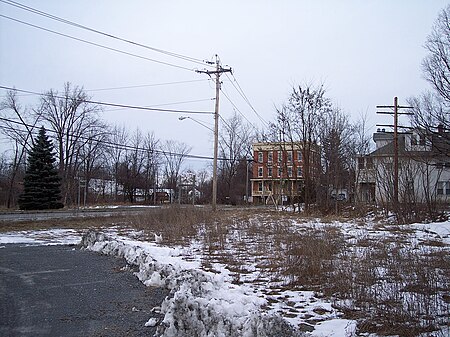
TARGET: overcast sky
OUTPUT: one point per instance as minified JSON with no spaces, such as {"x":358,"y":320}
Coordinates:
{"x":365,"y":52}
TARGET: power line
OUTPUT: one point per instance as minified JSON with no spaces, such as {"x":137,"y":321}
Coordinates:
{"x":165,"y":104}
{"x":107,"y":143}
{"x":133,"y":87}
{"x":94,"y":44}
{"x":244,"y":96}
{"x":68,"y":22}
{"x":112,"y":104}
{"x":146,"y":85}
{"x":235,"y":107}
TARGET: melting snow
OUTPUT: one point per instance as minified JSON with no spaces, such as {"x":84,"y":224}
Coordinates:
{"x":208,"y":303}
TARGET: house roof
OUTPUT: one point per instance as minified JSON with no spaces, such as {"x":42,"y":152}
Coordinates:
{"x":440,"y":146}
{"x":388,"y":149}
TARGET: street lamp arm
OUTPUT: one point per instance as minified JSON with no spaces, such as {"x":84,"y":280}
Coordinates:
{"x":182,"y":118}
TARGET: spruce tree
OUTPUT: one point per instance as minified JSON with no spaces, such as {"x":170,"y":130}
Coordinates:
{"x":42,"y":185}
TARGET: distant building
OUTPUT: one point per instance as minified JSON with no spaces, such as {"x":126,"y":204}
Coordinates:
{"x":423,"y":170}
{"x":278,"y":171}
{"x":159,"y":197}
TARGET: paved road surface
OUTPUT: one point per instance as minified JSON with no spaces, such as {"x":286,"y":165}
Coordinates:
{"x":62,"y":291}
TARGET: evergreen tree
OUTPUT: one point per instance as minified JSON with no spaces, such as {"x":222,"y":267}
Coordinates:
{"x":42,"y":185}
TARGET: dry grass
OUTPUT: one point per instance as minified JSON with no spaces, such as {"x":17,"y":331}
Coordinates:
{"x":74,"y":223}
{"x":389,"y":285}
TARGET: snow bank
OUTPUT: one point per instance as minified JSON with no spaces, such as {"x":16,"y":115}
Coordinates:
{"x":200,"y":304}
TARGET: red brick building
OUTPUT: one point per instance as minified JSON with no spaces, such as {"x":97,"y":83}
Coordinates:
{"x":278,"y":171}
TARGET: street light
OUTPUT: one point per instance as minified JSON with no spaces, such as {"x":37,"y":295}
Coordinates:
{"x":182,"y":118}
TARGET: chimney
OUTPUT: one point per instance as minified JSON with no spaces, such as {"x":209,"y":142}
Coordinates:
{"x":440,"y":128}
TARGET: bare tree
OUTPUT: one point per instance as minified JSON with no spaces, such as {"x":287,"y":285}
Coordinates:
{"x":116,"y":150}
{"x":235,"y":146}
{"x":360,"y":150}
{"x":132,"y":167}
{"x":151,"y":164}
{"x":338,"y":142}
{"x":92,"y":157}
{"x":69,"y":116}
{"x":432,"y":109}
{"x":283,"y":133}
{"x":436,"y":65}
{"x":309,"y":104}
{"x":204,"y":184}
{"x":18,"y":126}
{"x":431,"y":119}
{"x":174,"y":154}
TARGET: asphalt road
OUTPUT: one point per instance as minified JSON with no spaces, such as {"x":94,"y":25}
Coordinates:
{"x":63,"y":291}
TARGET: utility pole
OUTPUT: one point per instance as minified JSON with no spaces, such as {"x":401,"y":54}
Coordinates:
{"x":395,"y":107}
{"x":217,"y":72}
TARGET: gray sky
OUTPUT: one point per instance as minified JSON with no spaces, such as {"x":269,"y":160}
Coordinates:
{"x":365,"y":52}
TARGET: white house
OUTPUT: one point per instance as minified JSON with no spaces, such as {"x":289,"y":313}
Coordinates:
{"x":423,"y":168}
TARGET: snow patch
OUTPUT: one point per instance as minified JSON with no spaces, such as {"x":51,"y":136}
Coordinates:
{"x":200,"y":303}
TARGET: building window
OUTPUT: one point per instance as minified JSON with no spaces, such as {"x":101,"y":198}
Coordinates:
{"x":299,"y":155}
{"x":447,"y":187}
{"x":280,"y":156}
{"x":443,"y":188}
{"x":422,"y":140}
{"x":361,"y":163}
{"x":260,"y":187}
{"x":260,"y":157}
{"x":290,"y":171}
{"x":299,"y":171}
{"x":280,"y":172}
{"x":260,"y":171}
{"x":269,"y":172}
{"x":413,"y":140}
{"x":369,"y":163}
{"x":270,"y":157}
{"x":440,"y":188}
{"x":289,"y":156}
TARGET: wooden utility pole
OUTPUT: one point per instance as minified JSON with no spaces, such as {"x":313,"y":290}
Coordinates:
{"x":217,"y":72}
{"x":395,"y":107}
{"x":395,"y":153}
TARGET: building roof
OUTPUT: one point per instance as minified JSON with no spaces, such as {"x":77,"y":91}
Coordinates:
{"x":440,"y":145}
{"x":271,"y":146}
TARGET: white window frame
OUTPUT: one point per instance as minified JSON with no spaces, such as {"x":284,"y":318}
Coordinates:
{"x":260,"y":156}
{"x":260,"y":187}
{"x":260,"y":172}
{"x":289,"y":156}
